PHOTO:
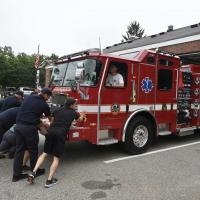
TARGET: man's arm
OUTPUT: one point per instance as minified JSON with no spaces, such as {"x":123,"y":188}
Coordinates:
{"x":47,"y":112}
{"x":108,"y":81}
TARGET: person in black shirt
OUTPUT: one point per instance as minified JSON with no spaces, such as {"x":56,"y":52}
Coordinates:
{"x":55,"y":139}
{"x":7,"y":120}
{"x":30,"y":112}
{"x":12,"y":101}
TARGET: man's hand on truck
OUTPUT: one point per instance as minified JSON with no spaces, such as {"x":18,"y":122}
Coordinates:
{"x":83,"y":117}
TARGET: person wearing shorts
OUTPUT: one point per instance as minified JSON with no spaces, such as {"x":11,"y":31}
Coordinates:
{"x":55,"y":139}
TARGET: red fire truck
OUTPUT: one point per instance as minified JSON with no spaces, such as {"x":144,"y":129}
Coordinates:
{"x":158,"y":97}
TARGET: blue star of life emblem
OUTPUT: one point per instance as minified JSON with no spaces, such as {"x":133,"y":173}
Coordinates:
{"x":147,"y":85}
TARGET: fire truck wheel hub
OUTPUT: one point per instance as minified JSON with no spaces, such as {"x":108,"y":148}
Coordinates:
{"x":140,"y":136}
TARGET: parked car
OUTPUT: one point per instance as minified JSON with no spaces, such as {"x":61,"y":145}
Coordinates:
{"x":26,"y":90}
{"x":9,"y":91}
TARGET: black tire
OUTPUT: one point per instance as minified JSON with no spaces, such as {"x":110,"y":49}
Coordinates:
{"x":129,"y":145}
{"x":197,"y":131}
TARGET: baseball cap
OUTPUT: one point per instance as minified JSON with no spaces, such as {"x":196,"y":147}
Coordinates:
{"x":46,"y":91}
{"x":20,"y":93}
{"x":69,"y":101}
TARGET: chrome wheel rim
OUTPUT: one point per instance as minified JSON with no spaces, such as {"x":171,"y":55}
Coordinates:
{"x":140,"y":136}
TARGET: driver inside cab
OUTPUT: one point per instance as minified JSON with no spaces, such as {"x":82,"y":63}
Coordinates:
{"x":114,"y":78}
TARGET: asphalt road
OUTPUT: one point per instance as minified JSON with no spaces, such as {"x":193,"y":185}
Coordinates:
{"x":83,"y":174}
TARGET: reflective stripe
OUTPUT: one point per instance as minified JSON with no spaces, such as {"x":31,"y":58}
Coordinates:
{"x":87,"y":109}
{"x":195,"y":107}
{"x":174,"y":106}
{"x":139,"y":106}
{"x":107,"y":108}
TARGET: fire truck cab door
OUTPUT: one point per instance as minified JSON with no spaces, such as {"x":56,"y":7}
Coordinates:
{"x":114,"y":97}
{"x":146,"y":87}
{"x":166,"y":94}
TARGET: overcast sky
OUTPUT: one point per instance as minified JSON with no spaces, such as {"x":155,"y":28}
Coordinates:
{"x":67,"y":26}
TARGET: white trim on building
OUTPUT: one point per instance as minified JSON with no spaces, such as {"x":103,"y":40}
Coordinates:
{"x":161,"y":44}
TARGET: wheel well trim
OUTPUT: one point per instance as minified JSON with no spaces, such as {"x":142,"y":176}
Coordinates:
{"x":141,"y":110}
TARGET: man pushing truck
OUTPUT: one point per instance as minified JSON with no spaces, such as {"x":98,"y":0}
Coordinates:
{"x":55,"y":139}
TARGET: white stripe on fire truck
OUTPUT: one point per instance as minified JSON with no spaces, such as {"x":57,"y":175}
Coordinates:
{"x":107,"y":108}
{"x":174,"y":106}
{"x":195,"y":107}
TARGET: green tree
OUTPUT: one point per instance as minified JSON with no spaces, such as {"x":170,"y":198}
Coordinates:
{"x":134,"y":31}
{"x":19,"y":70}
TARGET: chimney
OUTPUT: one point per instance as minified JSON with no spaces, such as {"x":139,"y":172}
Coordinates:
{"x":170,"y":28}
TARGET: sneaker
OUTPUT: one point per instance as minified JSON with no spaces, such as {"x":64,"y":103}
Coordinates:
{"x":3,"y":155}
{"x":26,"y":168}
{"x":11,"y":155}
{"x":40,"y":172}
{"x":31,"y":177}
{"x":19,"y":177}
{"x":50,"y":183}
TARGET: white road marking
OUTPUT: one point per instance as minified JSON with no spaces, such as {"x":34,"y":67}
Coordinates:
{"x":150,"y":153}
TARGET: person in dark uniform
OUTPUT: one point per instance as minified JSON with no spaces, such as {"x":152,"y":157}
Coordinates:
{"x":8,"y":146}
{"x":12,"y":101}
{"x":1,"y":103}
{"x":31,"y":110}
{"x":7,"y":120}
{"x":8,"y":143}
{"x":55,"y":139}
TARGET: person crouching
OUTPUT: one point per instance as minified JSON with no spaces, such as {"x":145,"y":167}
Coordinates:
{"x":55,"y":139}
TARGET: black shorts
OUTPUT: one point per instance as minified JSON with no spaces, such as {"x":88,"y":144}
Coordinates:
{"x":55,"y":141}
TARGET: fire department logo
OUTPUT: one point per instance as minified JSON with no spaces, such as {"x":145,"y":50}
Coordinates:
{"x":147,"y":85}
{"x":115,"y":108}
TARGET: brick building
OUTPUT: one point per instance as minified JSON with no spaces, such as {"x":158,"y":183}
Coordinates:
{"x":184,"y":42}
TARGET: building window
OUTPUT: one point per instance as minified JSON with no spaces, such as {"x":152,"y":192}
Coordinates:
{"x":151,"y":60}
{"x":165,"y":62}
{"x":165,"y":78}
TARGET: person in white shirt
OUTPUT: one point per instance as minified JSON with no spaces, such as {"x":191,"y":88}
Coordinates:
{"x":114,"y":79}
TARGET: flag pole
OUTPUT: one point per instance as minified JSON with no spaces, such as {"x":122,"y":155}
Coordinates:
{"x":37,"y":68}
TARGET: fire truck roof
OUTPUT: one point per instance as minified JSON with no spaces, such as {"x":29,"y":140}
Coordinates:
{"x":137,"y":56}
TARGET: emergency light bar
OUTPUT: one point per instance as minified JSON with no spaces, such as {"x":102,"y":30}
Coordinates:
{"x":166,"y":53}
{"x":79,"y":54}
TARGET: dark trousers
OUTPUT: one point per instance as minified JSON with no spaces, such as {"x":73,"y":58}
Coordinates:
{"x":8,"y":142}
{"x":2,"y":130}
{"x":26,"y":138}
{"x":4,"y":126}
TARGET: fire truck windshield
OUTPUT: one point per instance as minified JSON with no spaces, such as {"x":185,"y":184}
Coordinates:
{"x":86,"y":72}
{"x":58,"y":74}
